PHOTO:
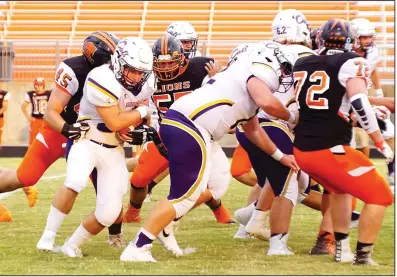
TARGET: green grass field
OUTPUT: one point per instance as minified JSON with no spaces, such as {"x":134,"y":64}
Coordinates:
{"x":217,"y":252}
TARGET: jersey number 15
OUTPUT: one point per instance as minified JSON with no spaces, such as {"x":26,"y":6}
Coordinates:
{"x":320,"y":103}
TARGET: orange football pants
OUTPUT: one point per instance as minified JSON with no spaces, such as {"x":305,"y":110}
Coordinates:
{"x":34,"y":128}
{"x":349,"y":171}
{"x":150,"y":164}
{"x":241,"y":163}
{"x":1,"y":127}
{"x":41,"y":154}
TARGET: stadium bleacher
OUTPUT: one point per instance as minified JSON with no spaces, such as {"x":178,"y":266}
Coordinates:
{"x":44,"y":33}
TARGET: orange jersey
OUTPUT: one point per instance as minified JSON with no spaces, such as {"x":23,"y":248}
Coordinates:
{"x":39,"y":102}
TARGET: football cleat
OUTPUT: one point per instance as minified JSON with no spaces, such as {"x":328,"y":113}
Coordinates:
{"x":363,"y":256}
{"x":323,"y":246}
{"x":243,"y":215}
{"x":223,"y":215}
{"x":343,"y":254}
{"x":256,"y":226}
{"x":72,"y":251}
{"x":168,"y":240}
{"x":117,"y":241}
{"x":31,"y":194}
{"x":278,"y":245}
{"x":47,"y":241}
{"x":131,"y":215}
{"x":5,"y":214}
{"x":241,"y":234}
{"x":134,"y":254}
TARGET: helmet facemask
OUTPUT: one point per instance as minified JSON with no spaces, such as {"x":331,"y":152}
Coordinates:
{"x":285,"y":70}
{"x":39,"y":84}
{"x":167,"y":67}
{"x":189,"y":52}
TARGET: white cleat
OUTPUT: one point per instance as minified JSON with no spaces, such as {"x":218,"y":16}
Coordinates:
{"x":243,"y":215}
{"x":343,"y":254}
{"x":117,"y":241}
{"x":390,"y":180}
{"x":47,"y":241}
{"x":241,"y":234}
{"x":147,"y":199}
{"x":72,"y":251}
{"x":256,"y":226}
{"x":134,"y":254}
{"x":168,"y":240}
{"x":278,"y":246}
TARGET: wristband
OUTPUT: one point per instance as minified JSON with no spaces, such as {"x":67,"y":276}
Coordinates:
{"x":291,"y":118}
{"x":378,"y":92}
{"x":277,"y":155}
{"x":143,"y":111}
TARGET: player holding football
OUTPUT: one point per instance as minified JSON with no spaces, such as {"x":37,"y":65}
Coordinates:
{"x":176,"y":77}
{"x":324,"y":133}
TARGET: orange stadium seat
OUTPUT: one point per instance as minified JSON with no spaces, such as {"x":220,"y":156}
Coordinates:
{"x":233,"y":22}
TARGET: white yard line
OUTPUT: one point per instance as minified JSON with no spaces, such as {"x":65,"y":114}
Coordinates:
{"x":7,"y":194}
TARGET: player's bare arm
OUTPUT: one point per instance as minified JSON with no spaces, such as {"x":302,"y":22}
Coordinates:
{"x":388,"y":102}
{"x":58,"y":101}
{"x":116,"y":120}
{"x":25,"y":112}
{"x":264,"y":98}
{"x":4,"y":108}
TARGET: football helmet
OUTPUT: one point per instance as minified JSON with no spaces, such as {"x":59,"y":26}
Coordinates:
{"x":313,"y":36}
{"x":132,"y":55}
{"x":98,"y":47}
{"x":168,"y":58}
{"x":336,"y":36}
{"x":291,"y":26}
{"x":185,"y":32}
{"x":39,"y":81}
{"x":364,"y":33}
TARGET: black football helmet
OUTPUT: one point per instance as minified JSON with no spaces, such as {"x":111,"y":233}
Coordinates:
{"x":168,"y":58}
{"x":98,"y":47}
{"x":336,"y":36}
{"x":313,"y":35}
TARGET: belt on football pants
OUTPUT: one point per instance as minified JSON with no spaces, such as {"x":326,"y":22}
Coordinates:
{"x":104,"y":144}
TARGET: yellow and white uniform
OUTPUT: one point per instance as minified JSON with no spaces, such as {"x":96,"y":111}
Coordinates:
{"x":101,"y":148}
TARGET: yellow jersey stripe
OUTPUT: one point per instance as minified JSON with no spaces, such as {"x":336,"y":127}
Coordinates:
{"x":206,"y":107}
{"x":102,"y":89}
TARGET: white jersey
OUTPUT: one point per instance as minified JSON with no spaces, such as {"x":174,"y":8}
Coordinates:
{"x":195,"y":54}
{"x":224,"y":100}
{"x":285,"y":93}
{"x":373,"y":57}
{"x":102,"y":89}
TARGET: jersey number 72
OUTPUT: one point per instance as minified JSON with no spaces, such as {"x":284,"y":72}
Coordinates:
{"x":314,"y":90}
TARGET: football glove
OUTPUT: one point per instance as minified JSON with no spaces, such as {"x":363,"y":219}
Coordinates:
{"x":386,"y":151}
{"x":75,"y":131}
{"x":141,"y":134}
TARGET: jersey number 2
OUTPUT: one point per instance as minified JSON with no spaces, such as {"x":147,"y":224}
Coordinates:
{"x":320,"y":103}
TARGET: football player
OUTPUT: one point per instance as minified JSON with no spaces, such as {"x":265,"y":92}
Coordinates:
{"x":38,"y":98}
{"x":61,"y":115}
{"x":185,"y":32}
{"x":176,"y":77}
{"x":47,"y":147}
{"x":194,"y":122}
{"x":4,"y":98}
{"x":114,"y":99}
{"x":365,"y":46}
{"x":324,"y":133}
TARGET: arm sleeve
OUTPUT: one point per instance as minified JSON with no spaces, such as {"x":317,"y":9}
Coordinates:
{"x":99,"y":95}
{"x":65,"y":79}
{"x":354,"y":68}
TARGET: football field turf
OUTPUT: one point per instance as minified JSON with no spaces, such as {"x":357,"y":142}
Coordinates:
{"x":217,"y":252}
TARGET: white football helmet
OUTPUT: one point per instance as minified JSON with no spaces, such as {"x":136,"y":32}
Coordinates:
{"x":132,"y":54}
{"x":363,"y":28}
{"x":291,"y":26}
{"x":184,"y":31}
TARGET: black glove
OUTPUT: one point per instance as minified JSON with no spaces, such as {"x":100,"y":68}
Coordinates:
{"x":75,"y":131}
{"x":140,"y":135}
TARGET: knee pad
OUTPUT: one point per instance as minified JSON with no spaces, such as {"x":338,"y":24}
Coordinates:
{"x":303,"y":186}
{"x":108,"y":213}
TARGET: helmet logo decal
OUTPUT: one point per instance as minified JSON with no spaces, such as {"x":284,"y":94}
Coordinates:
{"x":89,"y":51}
